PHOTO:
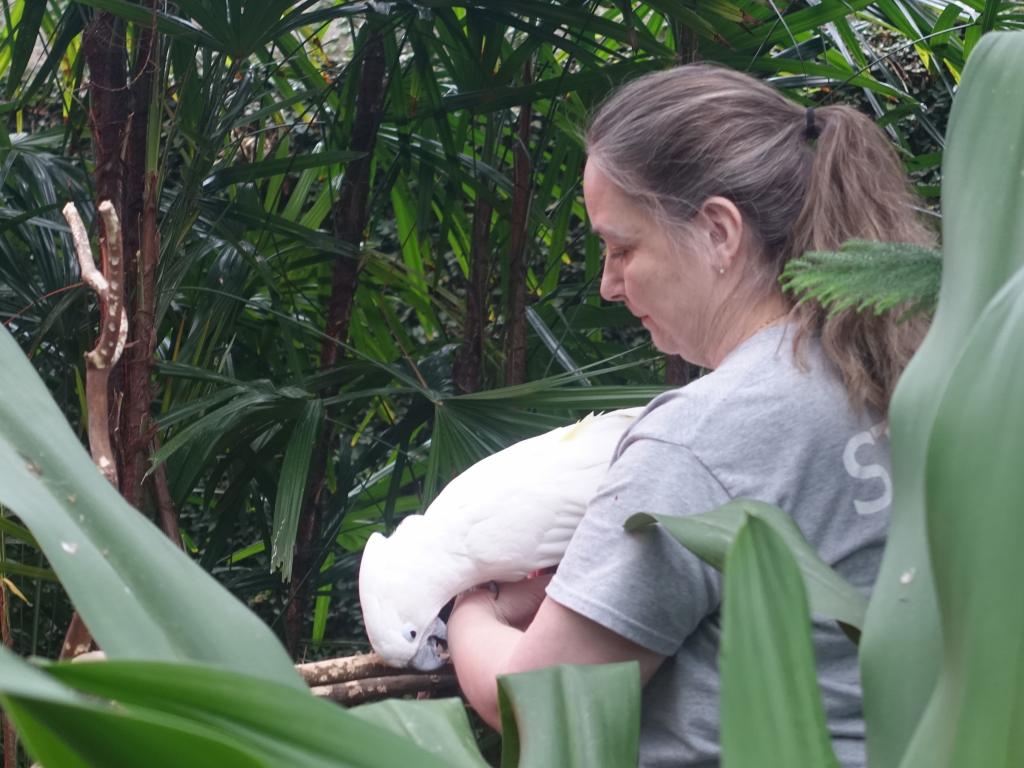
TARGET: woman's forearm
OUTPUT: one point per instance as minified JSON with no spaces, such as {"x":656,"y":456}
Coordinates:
{"x":480,"y":644}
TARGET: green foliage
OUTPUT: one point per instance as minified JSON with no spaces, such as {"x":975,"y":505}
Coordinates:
{"x":866,"y":275}
{"x":558,"y":733}
{"x":974,"y":713}
{"x":771,"y":711}
{"x":255,"y":118}
{"x":711,"y":536}
{"x":136,"y":590}
{"x":983,"y":246}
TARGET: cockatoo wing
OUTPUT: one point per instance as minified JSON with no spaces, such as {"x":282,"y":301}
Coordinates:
{"x":506,"y":516}
{"x":515,"y":511}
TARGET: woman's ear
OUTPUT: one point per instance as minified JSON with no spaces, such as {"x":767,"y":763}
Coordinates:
{"x":724,"y":225}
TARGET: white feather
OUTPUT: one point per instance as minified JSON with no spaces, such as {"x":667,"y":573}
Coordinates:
{"x":505,"y":517}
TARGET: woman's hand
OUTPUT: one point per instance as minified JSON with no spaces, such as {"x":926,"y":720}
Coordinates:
{"x":513,"y":603}
{"x":517,"y":602}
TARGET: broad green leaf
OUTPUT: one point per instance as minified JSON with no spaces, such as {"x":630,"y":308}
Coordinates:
{"x":771,"y":709}
{"x":64,"y":729}
{"x":974,"y":492}
{"x":140,"y":596}
{"x":282,"y":725}
{"x":439,"y":726}
{"x":983,"y":244}
{"x":571,"y":716}
{"x":710,"y":535}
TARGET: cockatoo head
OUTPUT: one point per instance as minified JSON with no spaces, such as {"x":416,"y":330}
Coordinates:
{"x":404,"y":628}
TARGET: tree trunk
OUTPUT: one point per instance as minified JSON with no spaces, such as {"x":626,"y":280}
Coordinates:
{"x":142,"y":246}
{"x":349,"y":218}
{"x":687,"y":44}
{"x":467,"y":370}
{"x":103,"y":45}
{"x":515,"y":306}
{"x":678,"y":372}
{"x":9,"y":736}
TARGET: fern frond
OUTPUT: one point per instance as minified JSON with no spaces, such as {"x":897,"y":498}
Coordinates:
{"x":867,"y":275}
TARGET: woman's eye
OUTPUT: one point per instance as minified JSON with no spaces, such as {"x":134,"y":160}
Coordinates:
{"x":617,"y":254}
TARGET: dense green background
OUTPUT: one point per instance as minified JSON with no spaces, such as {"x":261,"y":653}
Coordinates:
{"x":251,"y":130}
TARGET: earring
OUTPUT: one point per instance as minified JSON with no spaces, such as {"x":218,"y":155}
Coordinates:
{"x":721,"y":270}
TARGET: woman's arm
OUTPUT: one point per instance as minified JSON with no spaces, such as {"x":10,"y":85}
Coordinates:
{"x":486,"y":638}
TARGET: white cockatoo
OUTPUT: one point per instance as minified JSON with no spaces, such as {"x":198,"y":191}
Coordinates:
{"x":502,"y":519}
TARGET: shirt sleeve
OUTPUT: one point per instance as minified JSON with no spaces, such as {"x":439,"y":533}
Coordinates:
{"x":644,"y":586}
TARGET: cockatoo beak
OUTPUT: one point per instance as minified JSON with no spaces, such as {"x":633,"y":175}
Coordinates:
{"x":428,"y":656}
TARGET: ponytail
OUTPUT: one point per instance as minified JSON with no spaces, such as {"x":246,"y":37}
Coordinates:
{"x":857,"y":188}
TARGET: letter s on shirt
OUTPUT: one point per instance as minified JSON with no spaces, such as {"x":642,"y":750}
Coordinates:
{"x":860,"y":471}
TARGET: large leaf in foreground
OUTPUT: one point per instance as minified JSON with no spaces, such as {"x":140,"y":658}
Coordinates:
{"x":975,"y":491}
{"x":140,"y":596}
{"x":571,"y":716}
{"x":280,"y":725}
{"x":983,"y":245}
{"x":63,"y":729}
{"x":771,"y":705}
{"x":710,"y":535}
{"x":439,"y":726}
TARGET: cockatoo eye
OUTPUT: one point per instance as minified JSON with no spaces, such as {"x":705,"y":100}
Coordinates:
{"x":409,"y":632}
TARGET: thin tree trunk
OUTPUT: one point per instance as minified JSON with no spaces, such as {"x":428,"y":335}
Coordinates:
{"x":468,"y":366}
{"x":678,"y":372}
{"x":349,"y":217}
{"x":160,"y":489}
{"x":687,"y":44}
{"x":103,"y":45}
{"x":142,"y":247}
{"x":515,"y":307}
{"x":10,"y":737}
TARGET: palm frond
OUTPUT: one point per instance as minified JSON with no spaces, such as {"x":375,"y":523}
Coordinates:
{"x":867,"y":275}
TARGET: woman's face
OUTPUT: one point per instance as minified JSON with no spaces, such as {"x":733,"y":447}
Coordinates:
{"x":672,"y":290}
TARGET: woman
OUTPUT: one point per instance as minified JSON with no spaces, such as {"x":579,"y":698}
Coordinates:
{"x":702,"y":183}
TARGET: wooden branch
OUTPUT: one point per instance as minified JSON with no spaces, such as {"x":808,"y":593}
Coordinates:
{"x":375,"y":688}
{"x":345,"y":669}
{"x":365,"y":677}
{"x":113,"y":329}
{"x":77,"y":641}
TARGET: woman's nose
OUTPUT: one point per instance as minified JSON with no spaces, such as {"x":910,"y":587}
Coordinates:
{"x":611,"y":280}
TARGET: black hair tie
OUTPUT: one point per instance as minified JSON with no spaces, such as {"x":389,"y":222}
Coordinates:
{"x":811,"y":130}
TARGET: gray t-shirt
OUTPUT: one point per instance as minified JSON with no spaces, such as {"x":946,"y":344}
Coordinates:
{"x":762,"y":426}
